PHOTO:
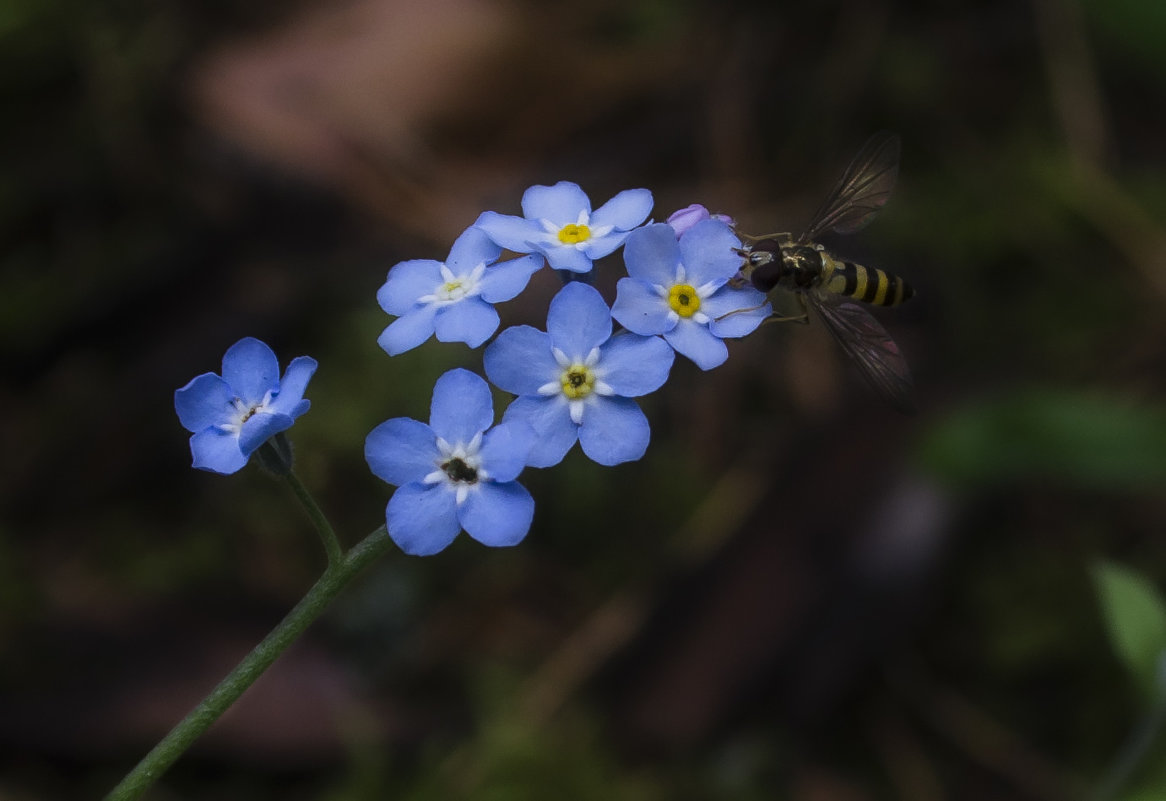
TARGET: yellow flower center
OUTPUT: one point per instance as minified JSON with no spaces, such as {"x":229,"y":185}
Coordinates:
{"x":578,"y":381}
{"x":572,"y":234}
{"x":683,"y":300}
{"x":453,"y":290}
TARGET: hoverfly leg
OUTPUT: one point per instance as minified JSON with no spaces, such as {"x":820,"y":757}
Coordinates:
{"x":803,"y":318}
{"x":740,"y":311}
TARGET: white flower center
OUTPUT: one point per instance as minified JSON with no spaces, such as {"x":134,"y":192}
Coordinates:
{"x":243,"y":412}
{"x":459,"y":467}
{"x":456,"y":287}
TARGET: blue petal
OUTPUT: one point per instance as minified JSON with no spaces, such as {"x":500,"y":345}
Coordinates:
{"x":506,"y":448}
{"x":639,"y":308}
{"x":697,"y":343}
{"x":401,"y":450}
{"x":736,"y":312}
{"x":578,"y":320}
{"x":652,"y":254}
{"x":289,"y":399}
{"x":560,"y":204}
{"x":599,"y":246}
{"x":422,"y":519}
{"x":470,"y":320}
{"x":216,"y":451}
{"x":408,"y":281}
{"x":633,"y":365}
{"x":205,"y":401}
{"x":625,"y":211}
{"x":567,"y":257}
{"x":261,"y":427}
{"x":295,"y":411}
{"x":252,"y":369}
{"x":408,"y":331}
{"x":462,"y":406}
{"x":520,"y":360}
{"x":707,"y":252}
{"x":510,"y":232}
{"x":614,"y":430}
{"x":472,"y":248}
{"x":498,"y":515}
{"x":506,"y":279}
{"x":551,"y":421}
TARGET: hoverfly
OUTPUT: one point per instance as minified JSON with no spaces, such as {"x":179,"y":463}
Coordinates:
{"x":829,"y":284}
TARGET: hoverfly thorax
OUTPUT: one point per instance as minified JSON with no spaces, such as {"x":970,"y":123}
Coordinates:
{"x":774,"y":262}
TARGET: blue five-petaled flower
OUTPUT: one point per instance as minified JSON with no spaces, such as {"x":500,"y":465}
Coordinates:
{"x":452,"y":298}
{"x":454,"y":473}
{"x":680,"y":290}
{"x":558,"y":222}
{"x":577,"y":381}
{"x":231,"y":415}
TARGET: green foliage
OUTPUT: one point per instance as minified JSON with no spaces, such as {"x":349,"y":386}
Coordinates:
{"x":1082,"y":439}
{"x":1133,"y":26}
{"x":1135,"y":617}
{"x":1152,"y":787}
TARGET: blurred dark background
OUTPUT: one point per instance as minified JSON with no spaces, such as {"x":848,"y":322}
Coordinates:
{"x":796,"y":594}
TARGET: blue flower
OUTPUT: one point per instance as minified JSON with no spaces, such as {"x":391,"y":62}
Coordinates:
{"x":452,"y":298}
{"x":679,"y":289}
{"x":576,"y":381}
{"x":455,"y":473}
{"x":558,"y":223}
{"x":232,"y":415}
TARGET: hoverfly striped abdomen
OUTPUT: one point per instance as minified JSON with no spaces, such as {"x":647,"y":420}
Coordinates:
{"x":868,"y":284}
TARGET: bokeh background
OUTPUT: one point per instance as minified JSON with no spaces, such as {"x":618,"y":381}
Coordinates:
{"x":797,"y":593}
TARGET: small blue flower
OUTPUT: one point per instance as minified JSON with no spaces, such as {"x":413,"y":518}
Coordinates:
{"x":453,"y":298}
{"x":560,"y":225}
{"x":232,"y":415}
{"x":576,"y":381}
{"x":455,"y":473}
{"x":679,"y":289}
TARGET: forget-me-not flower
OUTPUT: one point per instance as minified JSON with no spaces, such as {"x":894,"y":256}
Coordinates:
{"x":454,"y":473}
{"x":452,"y":298}
{"x":231,"y":415}
{"x":577,"y":381}
{"x":558,"y":222}
{"x":679,"y":289}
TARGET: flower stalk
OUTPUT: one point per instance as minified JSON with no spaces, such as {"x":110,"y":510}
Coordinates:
{"x":310,"y":607}
{"x":324,"y":528}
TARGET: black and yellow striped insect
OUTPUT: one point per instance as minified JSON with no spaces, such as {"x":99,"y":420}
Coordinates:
{"x":830,"y":285}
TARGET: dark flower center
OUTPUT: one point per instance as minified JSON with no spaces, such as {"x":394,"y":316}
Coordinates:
{"x":458,"y":470}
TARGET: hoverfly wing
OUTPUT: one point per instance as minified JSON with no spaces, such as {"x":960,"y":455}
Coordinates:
{"x":862,"y":190}
{"x":866,"y":343}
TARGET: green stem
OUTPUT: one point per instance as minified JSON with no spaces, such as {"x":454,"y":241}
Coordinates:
{"x":172,"y":746}
{"x":323,"y":527}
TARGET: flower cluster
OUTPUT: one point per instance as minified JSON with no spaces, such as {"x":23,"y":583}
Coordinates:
{"x":577,"y":381}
